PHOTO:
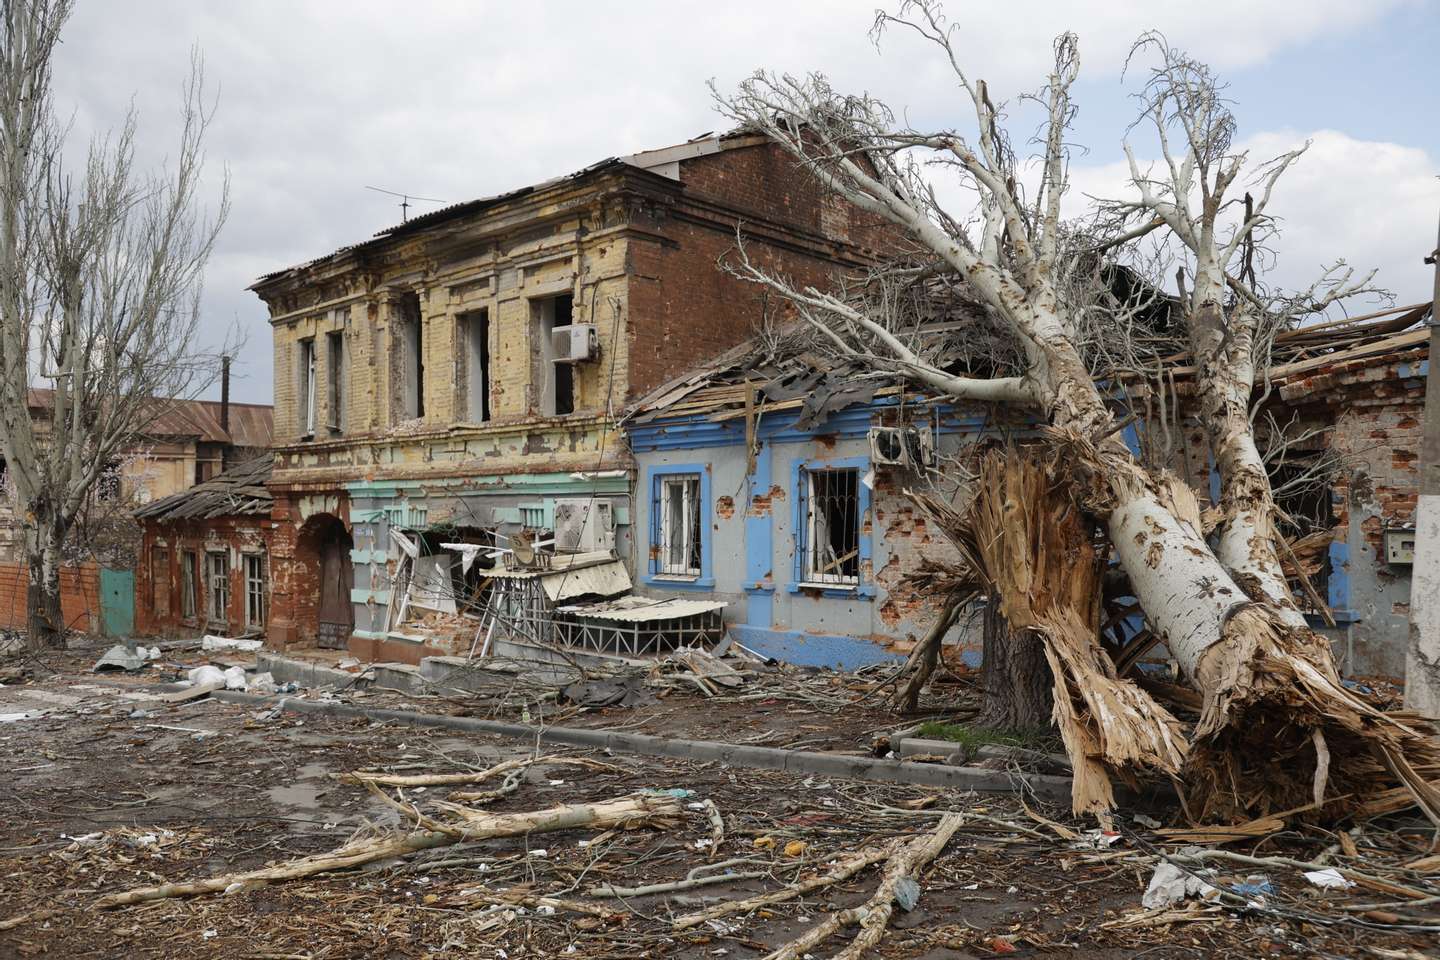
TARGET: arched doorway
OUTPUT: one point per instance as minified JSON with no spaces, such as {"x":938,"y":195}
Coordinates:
{"x":323,"y":548}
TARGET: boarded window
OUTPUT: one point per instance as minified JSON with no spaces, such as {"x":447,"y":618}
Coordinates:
{"x":475,"y":334}
{"x":554,"y":382}
{"x":335,"y":378}
{"x":189,"y":577}
{"x":217,"y":572}
{"x":677,"y":538}
{"x":255,"y":596}
{"x":830,"y":535}
{"x":160,"y":581}
{"x":307,"y":387}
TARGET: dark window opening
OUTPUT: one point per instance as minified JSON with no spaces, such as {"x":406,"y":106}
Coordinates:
{"x":830,"y":539}
{"x":189,"y":577}
{"x":335,"y":374}
{"x":476,"y":332}
{"x":410,"y":359}
{"x":255,"y":594}
{"x":307,"y":387}
{"x":555,"y":381}
{"x":1302,"y":489}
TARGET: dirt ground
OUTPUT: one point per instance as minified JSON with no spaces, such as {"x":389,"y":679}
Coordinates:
{"x":108,"y":788}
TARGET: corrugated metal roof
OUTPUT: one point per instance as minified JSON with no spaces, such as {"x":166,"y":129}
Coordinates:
{"x":575,"y":575}
{"x":251,"y":424}
{"x":643,"y":610}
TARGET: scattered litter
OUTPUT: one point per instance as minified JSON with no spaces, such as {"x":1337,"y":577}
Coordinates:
{"x":138,"y":714}
{"x":1145,"y":821}
{"x":207,"y":676}
{"x":795,"y":848}
{"x":263,"y":683}
{"x":1171,"y":884}
{"x":677,"y":793}
{"x":212,"y":643}
{"x":1097,"y":840}
{"x":152,"y":654}
{"x":235,"y":678}
{"x":1255,"y":885}
{"x":15,"y":717}
{"x":907,"y":893}
{"x":121,"y":657}
{"x":1329,"y":879}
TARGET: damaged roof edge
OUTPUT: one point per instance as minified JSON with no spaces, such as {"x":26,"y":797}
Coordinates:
{"x":662,"y":162}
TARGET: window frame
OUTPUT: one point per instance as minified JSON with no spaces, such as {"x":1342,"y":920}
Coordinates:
{"x":189,"y":576}
{"x":655,"y":574}
{"x":335,"y":381}
{"x":256,"y":597}
{"x":212,"y":593}
{"x":307,"y":387}
{"x":800,"y":528}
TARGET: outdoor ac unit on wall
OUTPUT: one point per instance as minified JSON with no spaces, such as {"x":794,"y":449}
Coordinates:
{"x":574,"y":344}
{"x":582,"y":526}
{"x":902,"y":446}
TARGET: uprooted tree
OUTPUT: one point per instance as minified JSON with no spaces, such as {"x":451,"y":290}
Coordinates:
{"x":1277,"y":729}
{"x":100,"y":277}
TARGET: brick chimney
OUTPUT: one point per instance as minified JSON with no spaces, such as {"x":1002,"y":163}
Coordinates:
{"x":225,"y":394}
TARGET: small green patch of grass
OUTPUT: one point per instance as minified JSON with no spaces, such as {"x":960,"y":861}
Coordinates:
{"x":974,"y":737}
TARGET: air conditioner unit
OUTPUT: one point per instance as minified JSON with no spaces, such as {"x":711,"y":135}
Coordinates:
{"x":584,"y":526}
{"x":575,"y":343}
{"x":902,"y":446}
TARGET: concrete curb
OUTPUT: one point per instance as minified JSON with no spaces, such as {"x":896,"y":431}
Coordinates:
{"x":739,"y":755}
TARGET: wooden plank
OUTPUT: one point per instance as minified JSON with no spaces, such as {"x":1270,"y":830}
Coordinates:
{"x":190,"y":693}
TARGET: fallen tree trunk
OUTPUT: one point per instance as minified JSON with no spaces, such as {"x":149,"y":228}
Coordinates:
{"x":620,"y":813}
{"x":907,"y":862}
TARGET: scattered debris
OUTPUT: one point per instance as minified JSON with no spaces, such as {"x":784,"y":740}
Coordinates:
{"x":1170,"y":884}
{"x":1328,"y":879}
{"x":213,"y":644}
{"x":123,"y":657}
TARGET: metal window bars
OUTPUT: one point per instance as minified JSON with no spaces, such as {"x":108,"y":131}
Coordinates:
{"x":678,"y":507}
{"x":830,"y":537}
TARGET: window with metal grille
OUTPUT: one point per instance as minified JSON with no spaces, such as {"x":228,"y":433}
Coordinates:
{"x":676,"y":534}
{"x":218,"y":574}
{"x":255,"y":590}
{"x":830,"y":530}
{"x":188,"y":566}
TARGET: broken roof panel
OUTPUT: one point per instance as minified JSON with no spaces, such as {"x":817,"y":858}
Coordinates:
{"x":238,"y":492}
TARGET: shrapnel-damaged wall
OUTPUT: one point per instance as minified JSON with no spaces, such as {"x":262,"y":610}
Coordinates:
{"x":160,"y":584}
{"x":1372,"y":415}
{"x":634,"y":244}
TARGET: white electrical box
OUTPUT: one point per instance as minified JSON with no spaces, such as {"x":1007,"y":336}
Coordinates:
{"x":575,"y":343}
{"x":1400,"y":545}
{"x":584,"y":526}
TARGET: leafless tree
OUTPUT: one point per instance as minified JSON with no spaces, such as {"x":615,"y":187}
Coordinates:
{"x":1260,"y":674}
{"x":1232,"y":319}
{"x":100,"y":278}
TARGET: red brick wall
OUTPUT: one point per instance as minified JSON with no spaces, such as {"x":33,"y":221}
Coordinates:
{"x":685,"y":310}
{"x":79,"y":596}
{"x":238,"y":535}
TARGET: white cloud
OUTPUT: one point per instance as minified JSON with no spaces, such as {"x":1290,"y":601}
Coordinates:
{"x":1370,"y":203}
{"x":459,"y":100}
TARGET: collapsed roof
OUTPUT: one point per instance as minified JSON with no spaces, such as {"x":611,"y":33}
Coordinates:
{"x":238,"y":492}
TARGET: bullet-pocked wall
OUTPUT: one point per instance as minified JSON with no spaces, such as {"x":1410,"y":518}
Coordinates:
{"x":776,"y":531}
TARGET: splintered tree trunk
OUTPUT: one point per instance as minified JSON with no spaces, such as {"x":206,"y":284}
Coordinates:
{"x":45,"y":623}
{"x":1015,"y":677}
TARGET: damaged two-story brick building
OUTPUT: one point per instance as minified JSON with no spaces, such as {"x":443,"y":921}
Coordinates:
{"x":457,"y":378}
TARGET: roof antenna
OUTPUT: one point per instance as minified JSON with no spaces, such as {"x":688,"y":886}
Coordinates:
{"x":405,"y":199}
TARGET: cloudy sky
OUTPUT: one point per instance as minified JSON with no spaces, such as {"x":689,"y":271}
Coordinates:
{"x":318,"y":100}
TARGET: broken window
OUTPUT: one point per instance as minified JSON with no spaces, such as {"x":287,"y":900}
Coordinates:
{"x":554,"y":382}
{"x":189,"y":577}
{"x":218,"y":574}
{"x":307,"y":387}
{"x":830,"y":535}
{"x":677,"y":507}
{"x":255,"y":606}
{"x":335,"y":377}
{"x":475,"y":334}
{"x":408,"y":360}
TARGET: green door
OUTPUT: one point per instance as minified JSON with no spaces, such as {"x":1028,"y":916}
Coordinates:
{"x":117,"y":602}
